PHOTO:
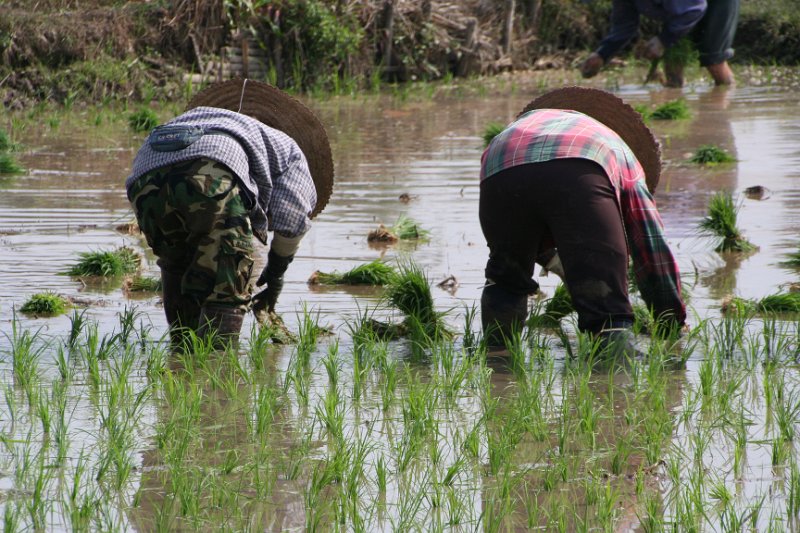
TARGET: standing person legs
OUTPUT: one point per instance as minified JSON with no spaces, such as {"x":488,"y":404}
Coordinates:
{"x":196,"y":222}
{"x":714,"y":37}
{"x":571,"y":200}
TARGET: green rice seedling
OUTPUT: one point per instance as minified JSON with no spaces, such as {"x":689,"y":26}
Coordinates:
{"x":143,"y":120}
{"x":45,"y":304}
{"x":793,"y":503}
{"x":77,"y":322}
{"x":142,"y":284}
{"x":710,"y":155}
{"x":410,"y":292}
{"x":407,"y":228}
{"x":26,"y":350}
{"x":5,"y":142}
{"x":374,"y":273}
{"x":555,"y":308}
{"x":793,"y":260}
{"x":672,"y":110}
{"x":644,"y":110}
{"x":492,"y":130}
{"x":779,"y":303}
{"x":9,"y":165}
{"x":109,"y":263}
{"x":720,"y":222}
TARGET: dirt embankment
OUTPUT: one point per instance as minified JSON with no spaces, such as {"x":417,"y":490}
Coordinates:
{"x":70,"y":50}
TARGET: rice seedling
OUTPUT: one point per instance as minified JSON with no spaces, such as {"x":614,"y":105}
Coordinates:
{"x":555,"y":308}
{"x":9,"y":165}
{"x":710,"y":155}
{"x":793,"y":260}
{"x":5,"y":142}
{"x":46,"y":304}
{"x":373,"y":273}
{"x":404,"y":229}
{"x":492,"y":130}
{"x":779,"y":303}
{"x":720,"y":222}
{"x":109,"y":263}
{"x":142,"y":284}
{"x":143,"y":120}
{"x":410,"y":292}
{"x":672,"y":110}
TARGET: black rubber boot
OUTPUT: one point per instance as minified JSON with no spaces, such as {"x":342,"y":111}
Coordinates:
{"x":221,"y":321}
{"x":183,"y":313}
{"x":502,"y":314}
{"x":618,"y":343}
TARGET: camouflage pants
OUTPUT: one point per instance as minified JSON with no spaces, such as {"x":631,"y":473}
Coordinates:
{"x":197,"y":224}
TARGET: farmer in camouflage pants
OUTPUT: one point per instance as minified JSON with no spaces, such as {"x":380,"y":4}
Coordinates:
{"x":204,"y":184}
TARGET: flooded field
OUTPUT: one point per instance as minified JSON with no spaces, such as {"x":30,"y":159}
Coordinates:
{"x":101,"y":430}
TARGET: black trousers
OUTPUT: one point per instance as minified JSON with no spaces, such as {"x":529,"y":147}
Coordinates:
{"x":569,"y":203}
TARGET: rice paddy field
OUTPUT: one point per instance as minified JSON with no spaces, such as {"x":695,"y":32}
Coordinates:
{"x":103,"y":429}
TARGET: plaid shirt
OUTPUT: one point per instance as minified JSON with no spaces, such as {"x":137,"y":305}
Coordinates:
{"x":547,"y":134}
{"x":268,"y":163}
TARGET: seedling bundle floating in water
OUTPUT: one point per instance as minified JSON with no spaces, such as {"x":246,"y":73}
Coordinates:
{"x":143,"y":120}
{"x":410,"y":292}
{"x":112,"y":263}
{"x":780,"y":303}
{"x":142,"y":284}
{"x":711,"y":155}
{"x":673,"y":110}
{"x":721,"y":223}
{"x":8,"y":164}
{"x":46,"y":304}
{"x":404,"y":229}
{"x":375,"y":273}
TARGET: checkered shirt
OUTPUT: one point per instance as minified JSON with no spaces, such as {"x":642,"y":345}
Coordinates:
{"x":268,"y":163}
{"x":547,"y":134}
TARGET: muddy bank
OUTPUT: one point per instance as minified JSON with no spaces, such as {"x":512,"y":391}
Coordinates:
{"x":66,"y":51}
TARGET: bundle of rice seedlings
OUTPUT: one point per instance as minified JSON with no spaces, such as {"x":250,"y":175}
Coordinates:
{"x":673,"y":110}
{"x":788,"y":302}
{"x":711,"y":155}
{"x":410,"y":292}
{"x":374,"y":273}
{"x":491,"y":131}
{"x":9,"y":165}
{"x":793,"y":260}
{"x":143,"y":120}
{"x":142,"y":284}
{"x":554,"y":309}
{"x":46,"y":304}
{"x":407,"y":228}
{"x":404,"y":229}
{"x":106,"y":263}
{"x":721,"y":222}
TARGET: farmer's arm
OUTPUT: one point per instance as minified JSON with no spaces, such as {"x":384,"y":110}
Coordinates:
{"x":656,"y":271}
{"x":624,"y":27}
{"x":292,"y":200}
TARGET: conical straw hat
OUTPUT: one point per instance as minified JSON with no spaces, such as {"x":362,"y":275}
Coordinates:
{"x":278,"y":110}
{"x":614,"y":113}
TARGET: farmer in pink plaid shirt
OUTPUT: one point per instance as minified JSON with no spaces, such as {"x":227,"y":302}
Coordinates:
{"x":566,"y":185}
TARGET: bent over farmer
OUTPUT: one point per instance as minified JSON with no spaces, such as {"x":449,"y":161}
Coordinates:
{"x":244,"y":158}
{"x":566,"y":185}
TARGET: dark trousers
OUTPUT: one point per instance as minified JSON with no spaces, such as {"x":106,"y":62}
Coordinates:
{"x":715,"y":31}
{"x":571,"y":203}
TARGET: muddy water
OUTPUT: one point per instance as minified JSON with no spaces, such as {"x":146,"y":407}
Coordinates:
{"x":72,"y":196}
{"x":72,"y":199}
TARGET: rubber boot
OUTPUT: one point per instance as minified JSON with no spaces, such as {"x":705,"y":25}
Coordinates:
{"x":223,"y":322}
{"x":618,"y":343}
{"x":502,"y":314}
{"x":183,"y":313}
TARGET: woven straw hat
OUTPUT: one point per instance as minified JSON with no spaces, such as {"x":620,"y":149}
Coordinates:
{"x":278,"y":110}
{"x":614,"y":113}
